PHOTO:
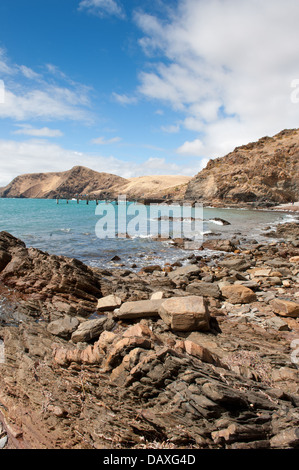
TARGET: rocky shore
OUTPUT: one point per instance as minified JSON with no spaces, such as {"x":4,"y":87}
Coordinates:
{"x":201,"y":354}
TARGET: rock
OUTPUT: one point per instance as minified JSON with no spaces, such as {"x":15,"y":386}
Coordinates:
{"x":221,"y":221}
{"x":106,"y":338}
{"x":150,"y":269}
{"x":260,"y":272}
{"x":250,"y":284}
{"x":205,"y":289}
{"x":184,"y":271}
{"x":3,"y":441}
{"x":63,"y":327}
{"x":285,"y":308}
{"x":241,"y":433}
{"x":122,"y":348}
{"x":141,"y":330}
{"x":185,"y":313}
{"x":201,"y":352}
{"x":5,"y":258}
{"x":285,"y":373}
{"x":277,"y":324}
{"x":116,"y":258}
{"x":219,"y":245}
{"x":294,"y":259}
{"x":157,"y":295}
{"x":288,"y":438}
{"x":61,"y":284}
{"x":91,"y":329}
{"x":236,"y":263}
{"x":108,"y":303}
{"x":237,"y":294}
{"x":138,"y":309}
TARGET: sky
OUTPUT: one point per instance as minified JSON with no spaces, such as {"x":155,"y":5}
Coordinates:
{"x":142,"y":87}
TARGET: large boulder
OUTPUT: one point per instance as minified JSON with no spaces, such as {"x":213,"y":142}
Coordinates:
{"x":237,"y":294}
{"x":185,"y":313}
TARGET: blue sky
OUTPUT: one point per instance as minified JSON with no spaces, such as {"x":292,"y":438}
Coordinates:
{"x":142,"y":87}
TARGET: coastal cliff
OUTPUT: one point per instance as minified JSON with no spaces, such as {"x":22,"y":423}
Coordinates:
{"x":263,"y":173}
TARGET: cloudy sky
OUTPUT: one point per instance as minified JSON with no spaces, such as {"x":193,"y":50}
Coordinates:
{"x":137,"y":87}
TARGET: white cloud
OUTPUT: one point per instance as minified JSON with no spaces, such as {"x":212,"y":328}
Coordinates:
{"x":27,"y":129}
{"x":124,"y":99}
{"x":171,"y":129}
{"x":227,"y":66}
{"x":103,"y":7}
{"x":103,"y":141}
{"x":191,"y":148}
{"x":29,"y":95}
{"x":36,"y":155}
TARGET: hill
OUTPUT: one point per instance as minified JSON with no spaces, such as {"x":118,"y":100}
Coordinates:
{"x":80,"y":180}
{"x":263,"y":173}
{"x":65,"y":184}
{"x":158,"y":186}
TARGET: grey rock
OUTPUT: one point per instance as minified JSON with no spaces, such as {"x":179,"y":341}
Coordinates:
{"x":277,"y":324}
{"x":206,"y":289}
{"x":92,"y":329}
{"x":184,"y":271}
{"x":63,"y":327}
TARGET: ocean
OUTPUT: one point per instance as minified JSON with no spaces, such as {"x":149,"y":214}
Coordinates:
{"x":69,"y":229}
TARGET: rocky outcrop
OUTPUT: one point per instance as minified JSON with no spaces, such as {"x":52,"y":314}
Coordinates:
{"x":145,"y":380}
{"x":53,"y":284}
{"x":261,"y":173}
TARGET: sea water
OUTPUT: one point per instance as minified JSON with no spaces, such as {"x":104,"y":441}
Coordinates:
{"x":69,"y":229}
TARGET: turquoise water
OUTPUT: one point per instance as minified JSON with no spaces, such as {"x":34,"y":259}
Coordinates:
{"x":69,"y":229}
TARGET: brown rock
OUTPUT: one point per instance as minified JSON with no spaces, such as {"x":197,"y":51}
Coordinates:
{"x":201,"y":353}
{"x":285,"y":308}
{"x":185,"y":313}
{"x":237,"y":294}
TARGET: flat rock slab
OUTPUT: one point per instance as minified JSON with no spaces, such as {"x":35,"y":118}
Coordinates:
{"x":185,"y":313}
{"x":139,"y":309}
{"x":108,"y":303}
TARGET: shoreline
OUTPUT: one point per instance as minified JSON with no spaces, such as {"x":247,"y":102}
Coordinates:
{"x":110,"y":331}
